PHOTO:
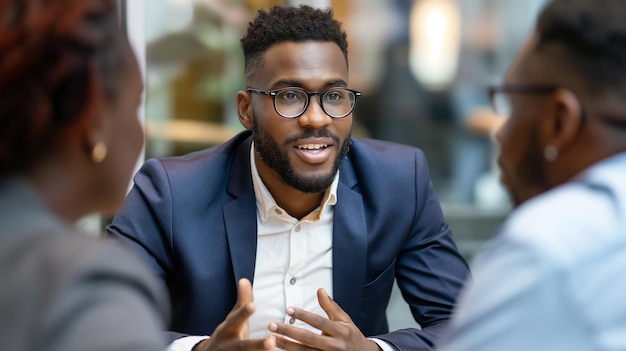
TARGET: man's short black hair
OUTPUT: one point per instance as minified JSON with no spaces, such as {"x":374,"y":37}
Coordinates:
{"x":297,"y":24}
{"x":593,"y":33}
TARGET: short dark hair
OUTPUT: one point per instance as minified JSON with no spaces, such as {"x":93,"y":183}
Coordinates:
{"x":55,"y":58}
{"x":297,"y":24}
{"x":593,"y":33}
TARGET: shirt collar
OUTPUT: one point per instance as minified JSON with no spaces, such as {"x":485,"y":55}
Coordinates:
{"x":266,"y":205}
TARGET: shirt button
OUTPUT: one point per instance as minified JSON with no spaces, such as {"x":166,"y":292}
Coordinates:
{"x":298,"y":228}
{"x":292,"y":320}
{"x":292,"y":281}
{"x":278,"y":212}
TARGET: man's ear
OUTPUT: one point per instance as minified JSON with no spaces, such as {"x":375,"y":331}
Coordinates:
{"x":563,"y":119}
{"x":244,"y":109}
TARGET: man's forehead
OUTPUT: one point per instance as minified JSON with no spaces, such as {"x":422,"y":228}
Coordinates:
{"x":519,"y":65}
{"x":309,"y":49}
{"x":304,"y":61}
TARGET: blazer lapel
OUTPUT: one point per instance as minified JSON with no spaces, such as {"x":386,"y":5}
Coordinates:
{"x":241,"y":230}
{"x":349,"y":249}
{"x":240,"y":215}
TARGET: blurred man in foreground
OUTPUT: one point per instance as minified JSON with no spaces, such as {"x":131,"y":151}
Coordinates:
{"x":553,"y":279}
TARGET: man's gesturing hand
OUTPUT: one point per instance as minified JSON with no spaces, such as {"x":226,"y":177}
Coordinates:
{"x":232,"y":333}
{"x":339,"y":333}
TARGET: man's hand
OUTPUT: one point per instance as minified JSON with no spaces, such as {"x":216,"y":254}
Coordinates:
{"x":232,"y":333}
{"x":339,"y":333}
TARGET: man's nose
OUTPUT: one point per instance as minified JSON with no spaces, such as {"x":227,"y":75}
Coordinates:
{"x":314,"y":116}
{"x":499,"y":130}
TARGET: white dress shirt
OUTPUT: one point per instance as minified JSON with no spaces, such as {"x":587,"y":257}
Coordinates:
{"x":293,"y":260}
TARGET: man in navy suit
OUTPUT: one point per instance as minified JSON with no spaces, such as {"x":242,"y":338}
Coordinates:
{"x":291,"y":234}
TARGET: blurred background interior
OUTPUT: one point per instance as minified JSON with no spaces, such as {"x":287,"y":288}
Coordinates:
{"x":423,"y":67}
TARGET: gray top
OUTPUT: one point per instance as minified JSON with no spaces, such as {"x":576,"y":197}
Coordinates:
{"x":63,"y":290}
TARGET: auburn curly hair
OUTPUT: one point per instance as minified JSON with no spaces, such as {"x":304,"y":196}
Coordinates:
{"x":298,"y":24}
{"x":57,"y":57}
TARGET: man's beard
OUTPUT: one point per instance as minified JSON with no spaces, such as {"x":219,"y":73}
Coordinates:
{"x":531,"y":173}
{"x":270,"y":153}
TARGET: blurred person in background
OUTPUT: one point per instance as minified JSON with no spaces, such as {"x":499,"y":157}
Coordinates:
{"x":69,"y":139}
{"x":553,"y":278}
{"x":320,"y":222}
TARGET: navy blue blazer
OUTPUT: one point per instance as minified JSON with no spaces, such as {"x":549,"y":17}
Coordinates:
{"x":194,"y":219}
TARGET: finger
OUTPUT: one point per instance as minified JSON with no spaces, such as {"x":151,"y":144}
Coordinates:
{"x":299,"y":335}
{"x":332,"y":309}
{"x":266,"y":344}
{"x":312,"y":319}
{"x":237,"y":319}
{"x":270,"y":342}
{"x":290,"y":345}
{"x":244,"y":290}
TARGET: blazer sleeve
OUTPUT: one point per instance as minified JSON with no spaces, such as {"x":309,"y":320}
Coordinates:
{"x":430,"y":271}
{"x":145,"y":221}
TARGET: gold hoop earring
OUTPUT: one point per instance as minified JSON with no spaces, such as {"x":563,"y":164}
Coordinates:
{"x":99,"y":152}
{"x":550,"y":153}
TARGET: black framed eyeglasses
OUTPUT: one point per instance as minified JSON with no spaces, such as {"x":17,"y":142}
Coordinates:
{"x":291,"y":102}
{"x":500,"y":102}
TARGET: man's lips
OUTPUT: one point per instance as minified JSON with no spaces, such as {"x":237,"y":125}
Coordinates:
{"x":313,"y":152}
{"x":312,"y":147}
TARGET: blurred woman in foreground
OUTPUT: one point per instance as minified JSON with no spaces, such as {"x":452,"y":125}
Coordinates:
{"x":69,"y":137}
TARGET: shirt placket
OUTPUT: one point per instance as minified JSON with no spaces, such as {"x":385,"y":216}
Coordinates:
{"x":297,"y":258}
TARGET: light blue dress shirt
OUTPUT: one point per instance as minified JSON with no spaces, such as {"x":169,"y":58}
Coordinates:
{"x":554,"y":278}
